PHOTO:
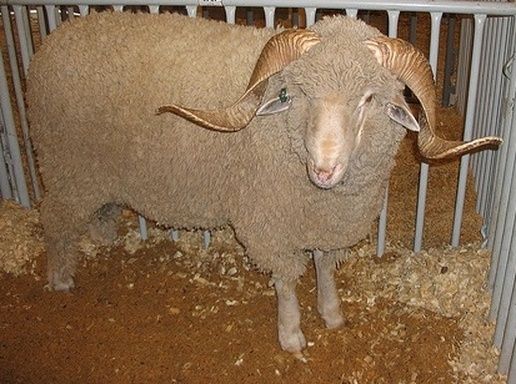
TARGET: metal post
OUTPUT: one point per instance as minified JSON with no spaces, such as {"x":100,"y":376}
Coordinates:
{"x":41,"y":22}
{"x":352,"y":12}
{"x":424,"y":168}
{"x":5,"y":185}
{"x":51,"y":17}
{"x":382,"y":223}
{"x":230,"y":14}
{"x":509,"y":334}
{"x":449,"y":65}
{"x":22,"y":37}
{"x":269,"y":16}
{"x":470,"y":110}
{"x":143,"y":228}
{"x":20,"y":101}
{"x":12,"y":139}
{"x":310,"y":16}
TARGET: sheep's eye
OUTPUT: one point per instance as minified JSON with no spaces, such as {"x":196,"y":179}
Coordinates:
{"x":366,"y":99}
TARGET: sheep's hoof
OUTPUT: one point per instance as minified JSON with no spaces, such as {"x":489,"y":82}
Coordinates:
{"x":293,"y":341}
{"x":334,"y":321}
{"x":333,"y":318}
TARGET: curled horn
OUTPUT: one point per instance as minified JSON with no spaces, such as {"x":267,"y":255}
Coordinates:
{"x":413,"y":69}
{"x":277,"y":53}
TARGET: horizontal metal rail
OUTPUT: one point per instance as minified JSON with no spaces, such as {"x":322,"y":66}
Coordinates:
{"x":464,"y":7}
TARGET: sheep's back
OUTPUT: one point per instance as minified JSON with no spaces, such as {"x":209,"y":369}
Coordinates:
{"x":96,"y":83}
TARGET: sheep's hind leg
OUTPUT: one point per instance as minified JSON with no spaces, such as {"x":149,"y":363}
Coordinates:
{"x":103,"y":228}
{"x":289,"y":318}
{"x":328,"y":303}
{"x":63,"y":223}
{"x":61,"y":263}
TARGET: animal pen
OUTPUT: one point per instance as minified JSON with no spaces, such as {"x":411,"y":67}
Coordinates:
{"x":476,"y":75}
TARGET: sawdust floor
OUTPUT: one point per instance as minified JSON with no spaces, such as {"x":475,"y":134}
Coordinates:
{"x":134,"y":319}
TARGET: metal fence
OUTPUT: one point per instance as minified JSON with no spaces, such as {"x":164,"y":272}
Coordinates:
{"x":486,"y":89}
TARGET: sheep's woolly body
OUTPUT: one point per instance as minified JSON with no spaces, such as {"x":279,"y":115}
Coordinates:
{"x":93,"y":91}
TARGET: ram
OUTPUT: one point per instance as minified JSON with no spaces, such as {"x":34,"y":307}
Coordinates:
{"x":311,"y":122}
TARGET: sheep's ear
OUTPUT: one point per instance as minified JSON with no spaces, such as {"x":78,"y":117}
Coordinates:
{"x":276,"y":105}
{"x":399,"y":111}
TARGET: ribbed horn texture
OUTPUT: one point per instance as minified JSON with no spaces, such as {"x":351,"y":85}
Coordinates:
{"x":412,"y":68}
{"x":279,"y":51}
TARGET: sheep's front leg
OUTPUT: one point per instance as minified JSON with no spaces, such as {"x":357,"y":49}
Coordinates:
{"x":289,"y":318}
{"x":328,"y":302}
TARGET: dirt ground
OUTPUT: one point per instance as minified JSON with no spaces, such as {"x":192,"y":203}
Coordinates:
{"x":173,"y":312}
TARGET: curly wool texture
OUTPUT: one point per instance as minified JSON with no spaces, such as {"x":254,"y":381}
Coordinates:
{"x":93,"y":90}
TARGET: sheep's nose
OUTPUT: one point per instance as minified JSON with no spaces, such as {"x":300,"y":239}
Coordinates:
{"x":324,"y":174}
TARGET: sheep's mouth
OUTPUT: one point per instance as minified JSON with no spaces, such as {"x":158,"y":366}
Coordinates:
{"x":325,"y":179}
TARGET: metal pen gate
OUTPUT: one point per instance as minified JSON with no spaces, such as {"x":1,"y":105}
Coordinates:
{"x":485,"y":93}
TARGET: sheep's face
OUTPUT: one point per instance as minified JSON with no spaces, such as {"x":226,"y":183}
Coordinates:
{"x":340,"y":106}
{"x":333,"y":132}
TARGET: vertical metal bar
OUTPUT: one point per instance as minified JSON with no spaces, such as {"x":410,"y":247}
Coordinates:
{"x":502,"y":192}
{"x":154,"y":9}
{"x":20,"y":101}
{"x":5,"y":185}
{"x":295,"y":17}
{"x":382,"y":226}
{"x":118,"y":8}
{"x":249,"y":16}
{"x":507,"y":275}
{"x":51,"y":17}
{"x":22,"y":37}
{"x":352,"y":12}
{"x":206,"y":239}
{"x":461,"y":89}
{"x":394,"y":17}
{"x":511,"y":375}
{"x":269,"y":16}
{"x":509,"y":335}
{"x":58,"y":15}
{"x":174,"y":235}
{"x":41,"y":22}
{"x":310,"y":16}
{"x":506,"y":268}
{"x":481,"y":105}
{"x":8,"y":162}
{"x":499,"y":123}
{"x":449,"y":61}
{"x":424,"y":168}
{"x":382,"y":223}
{"x":70,"y":12}
{"x":12,"y":139}
{"x":470,"y":110}
{"x":84,"y":10}
{"x":494,"y":118}
{"x":191,"y":10}
{"x":28,"y":34}
{"x":143,"y":228}
{"x":413,"y":28}
{"x":230,"y":14}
